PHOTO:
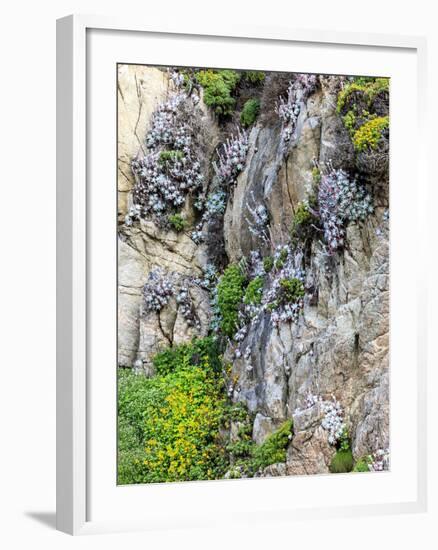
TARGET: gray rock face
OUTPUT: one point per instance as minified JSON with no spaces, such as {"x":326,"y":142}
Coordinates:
{"x":340,"y":344}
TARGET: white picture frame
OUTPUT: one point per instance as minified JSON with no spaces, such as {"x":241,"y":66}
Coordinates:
{"x":75,"y":218}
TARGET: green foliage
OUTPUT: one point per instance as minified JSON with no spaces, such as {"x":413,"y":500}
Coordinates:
{"x":316,"y":175}
{"x":302,"y":215}
{"x":279,"y":262}
{"x":370,"y":133}
{"x":342,"y":462}
{"x":230,"y":291}
{"x":170,"y":156}
{"x":344,"y":443}
{"x":268,"y":263}
{"x":254,"y":290}
{"x":362,"y":465}
{"x":168,"y":426}
{"x":218,"y":87}
{"x":291,"y":290}
{"x":177,"y":222}
{"x":273,"y":449}
{"x":303,"y":224}
{"x":249,"y":458}
{"x":254,"y":77}
{"x":368,"y":88}
{"x":250,"y":112}
{"x":363,"y":80}
{"x":200,"y":351}
{"x":362,"y":105}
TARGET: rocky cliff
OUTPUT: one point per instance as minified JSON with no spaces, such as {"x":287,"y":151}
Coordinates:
{"x":300,"y":205}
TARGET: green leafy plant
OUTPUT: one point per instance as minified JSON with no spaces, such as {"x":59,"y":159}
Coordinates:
{"x":291,"y":290}
{"x":344,"y":443}
{"x":303,"y":223}
{"x":365,"y":88}
{"x":282,"y":257}
{"x":168,"y":425}
{"x":362,"y":465}
{"x":194,"y":353}
{"x":364,"y":104}
{"x":254,"y":290}
{"x":218,"y":87}
{"x":268,"y":263}
{"x":230,"y":291}
{"x":342,"y":462}
{"x":170,"y":156}
{"x":316,"y":175}
{"x":250,"y":112}
{"x":254,"y":77}
{"x":273,"y":449}
{"x":177,"y":222}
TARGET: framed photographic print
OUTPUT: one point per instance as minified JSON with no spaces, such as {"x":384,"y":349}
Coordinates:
{"x":238,"y":229}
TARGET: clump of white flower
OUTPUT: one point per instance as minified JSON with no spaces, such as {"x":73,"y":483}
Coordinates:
{"x":288,"y":109}
{"x":157,"y":291}
{"x":215,"y":204}
{"x":177,"y":78}
{"x":133,"y":214}
{"x":186,"y":307}
{"x":197,"y":235}
{"x":333,"y":421}
{"x":258,"y":221}
{"x":341,"y":200}
{"x":171,"y":168}
{"x":232,"y":158}
{"x":285,"y":297}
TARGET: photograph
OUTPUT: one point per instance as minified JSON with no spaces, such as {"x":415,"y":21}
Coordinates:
{"x":253,"y":274}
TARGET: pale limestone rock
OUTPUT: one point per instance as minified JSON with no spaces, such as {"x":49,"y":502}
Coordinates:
{"x":139,"y":91}
{"x":133,"y":268}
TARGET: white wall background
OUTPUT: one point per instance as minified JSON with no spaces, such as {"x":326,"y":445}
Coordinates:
{"x":27,"y":176}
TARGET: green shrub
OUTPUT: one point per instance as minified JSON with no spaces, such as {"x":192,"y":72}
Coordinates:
{"x":302,"y":216}
{"x":273,"y":449}
{"x":254,"y":77}
{"x":362,"y":465}
{"x":362,"y":104}
{"x":194,"y":353}
{"x":230,"y":291}
{"x":344,"y":443}
{"x":367,"y":88}
{"x":369,"y":134}
{"x":291,"y":290}
{"x":218,"y":87}
{"x":254,"y":291}
{"x":250,"y":112}
{"x":168,"y":426}
{"x":279,"y":262}
{"x":342,"y":462}
{"x":177,"y":222}
{"x":268,"y":263}
{"x":170,"y":156}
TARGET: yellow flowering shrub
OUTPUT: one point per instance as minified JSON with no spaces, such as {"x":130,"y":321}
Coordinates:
{"x":370,"y":133}
{"x":169,"y":424}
